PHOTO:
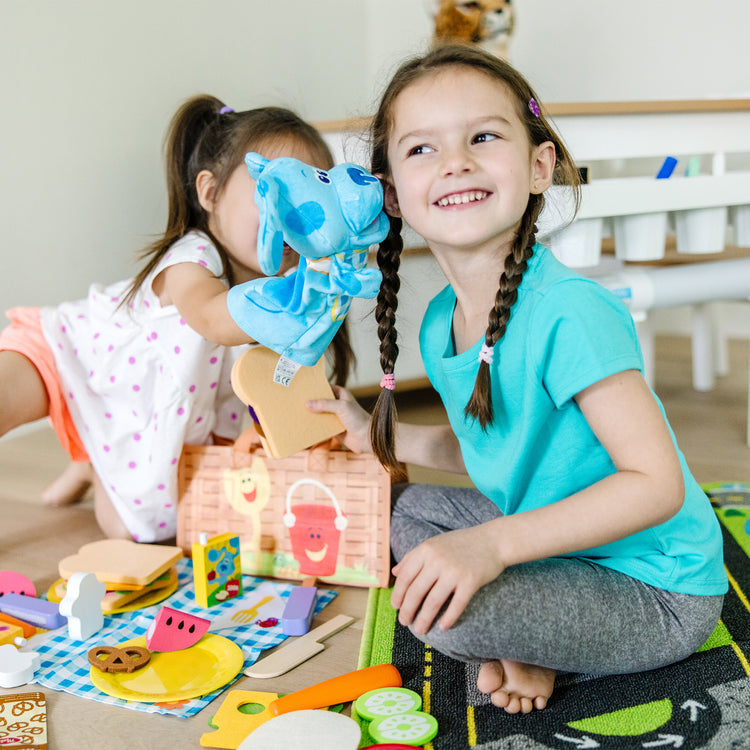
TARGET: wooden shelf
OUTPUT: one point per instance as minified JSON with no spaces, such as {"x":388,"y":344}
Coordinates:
{"x":588,"y":108}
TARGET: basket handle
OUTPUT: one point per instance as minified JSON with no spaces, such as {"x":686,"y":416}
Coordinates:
{"x":317,"y":455}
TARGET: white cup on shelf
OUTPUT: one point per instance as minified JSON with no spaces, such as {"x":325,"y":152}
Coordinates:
{"x":578,"y":245}
{"x":641,"y":237}
{"x":741,"y":224}
{"x":701,"y":230}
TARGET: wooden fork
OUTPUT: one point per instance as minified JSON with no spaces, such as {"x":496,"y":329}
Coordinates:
{"x":244,"y":616}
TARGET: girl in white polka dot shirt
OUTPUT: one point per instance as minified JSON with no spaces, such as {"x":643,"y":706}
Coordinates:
{"x":139,"y":368}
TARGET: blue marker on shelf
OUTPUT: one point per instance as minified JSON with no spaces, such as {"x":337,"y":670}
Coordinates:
{"x":667,"y":168}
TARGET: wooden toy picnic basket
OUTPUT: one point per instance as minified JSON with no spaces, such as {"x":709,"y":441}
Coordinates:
{"x":322,"y":512}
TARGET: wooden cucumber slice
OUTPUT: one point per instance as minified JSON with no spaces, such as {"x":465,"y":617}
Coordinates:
{"x":413,"y":728}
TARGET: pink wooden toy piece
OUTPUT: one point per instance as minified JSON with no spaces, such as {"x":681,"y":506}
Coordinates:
{"x":82,"y":605}
{"x":173,"y":630}
{"x":16,"y":583}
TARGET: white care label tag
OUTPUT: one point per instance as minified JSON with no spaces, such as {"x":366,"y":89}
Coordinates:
{"x":285,"y":370}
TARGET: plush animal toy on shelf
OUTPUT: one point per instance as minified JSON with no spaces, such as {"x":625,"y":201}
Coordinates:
{"x":486,"y":23}
{"x":330,"y":219}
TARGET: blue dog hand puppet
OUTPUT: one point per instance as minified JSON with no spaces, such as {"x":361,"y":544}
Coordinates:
{"x":329,"y":218}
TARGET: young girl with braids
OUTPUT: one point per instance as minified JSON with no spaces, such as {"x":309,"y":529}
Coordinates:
{"x":586,"y":546}
{"x":130,"y":374}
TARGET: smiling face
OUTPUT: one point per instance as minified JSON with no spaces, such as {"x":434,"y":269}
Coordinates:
{"x":462,"y":166}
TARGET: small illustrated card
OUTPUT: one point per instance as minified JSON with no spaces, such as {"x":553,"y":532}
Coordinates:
{"x":23,"y":720}
{"x":262,"y":606}
{"x":216,"y":569}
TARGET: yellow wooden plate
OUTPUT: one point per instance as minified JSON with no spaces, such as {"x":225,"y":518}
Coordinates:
{"x":175,"y":675}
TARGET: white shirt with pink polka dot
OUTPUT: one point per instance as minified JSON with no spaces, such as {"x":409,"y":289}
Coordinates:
{"x":140,"y":383}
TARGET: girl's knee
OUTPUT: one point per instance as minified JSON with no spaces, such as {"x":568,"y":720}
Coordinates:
{"x":705,"y":618}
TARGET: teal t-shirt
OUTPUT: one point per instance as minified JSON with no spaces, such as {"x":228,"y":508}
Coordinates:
{"x":565,"y":333}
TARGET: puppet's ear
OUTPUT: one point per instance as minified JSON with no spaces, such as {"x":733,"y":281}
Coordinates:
{"x":359,"y":195}
{"x":255,"y":164}
{"x":270,"y":235}
{"x":270,"y":242}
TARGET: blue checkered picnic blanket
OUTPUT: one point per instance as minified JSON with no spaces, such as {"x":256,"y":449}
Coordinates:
{"x":64,"y":661}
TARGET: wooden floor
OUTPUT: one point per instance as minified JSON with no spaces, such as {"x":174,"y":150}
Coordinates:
{"x":710,"y":428}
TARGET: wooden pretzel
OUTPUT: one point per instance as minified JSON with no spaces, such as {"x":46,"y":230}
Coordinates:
{"x":119,"y":659}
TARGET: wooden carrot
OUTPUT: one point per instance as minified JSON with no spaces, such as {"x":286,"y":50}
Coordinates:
{"x":345,"y":687}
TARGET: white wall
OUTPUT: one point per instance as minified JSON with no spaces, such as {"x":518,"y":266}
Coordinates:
{"x":606,"y":50}
{"x":88,"y":88}
{"x":598,"y":50}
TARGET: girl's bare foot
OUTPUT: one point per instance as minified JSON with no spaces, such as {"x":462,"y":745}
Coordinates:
{"x":70,"y":486}
{"x":515,"y":686}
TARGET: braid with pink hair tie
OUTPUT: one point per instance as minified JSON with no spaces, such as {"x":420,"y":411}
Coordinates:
{"x":486,"y":354}
{"x":388,"y":381}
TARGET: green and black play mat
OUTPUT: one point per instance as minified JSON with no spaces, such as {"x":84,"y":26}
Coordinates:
{"x":702,"y":702}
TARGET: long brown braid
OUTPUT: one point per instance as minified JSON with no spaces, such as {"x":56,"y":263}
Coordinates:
{"x":480,"y":403}
{"x":382,"y":426}
{"x":539,"y":131}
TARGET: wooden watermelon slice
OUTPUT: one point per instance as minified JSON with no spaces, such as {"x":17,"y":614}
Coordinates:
{"x":173,"y":630}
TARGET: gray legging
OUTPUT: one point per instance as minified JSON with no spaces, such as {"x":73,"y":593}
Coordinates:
{"x":564,"y":613}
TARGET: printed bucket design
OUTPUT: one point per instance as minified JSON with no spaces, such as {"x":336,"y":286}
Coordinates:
{"x":315,"y":531}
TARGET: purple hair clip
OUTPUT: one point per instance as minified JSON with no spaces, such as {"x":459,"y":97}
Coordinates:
{"x":225,"y":110}
{"x":534,"y":107}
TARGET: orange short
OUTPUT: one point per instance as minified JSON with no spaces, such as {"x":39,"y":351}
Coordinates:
{"x":24,"y":335}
